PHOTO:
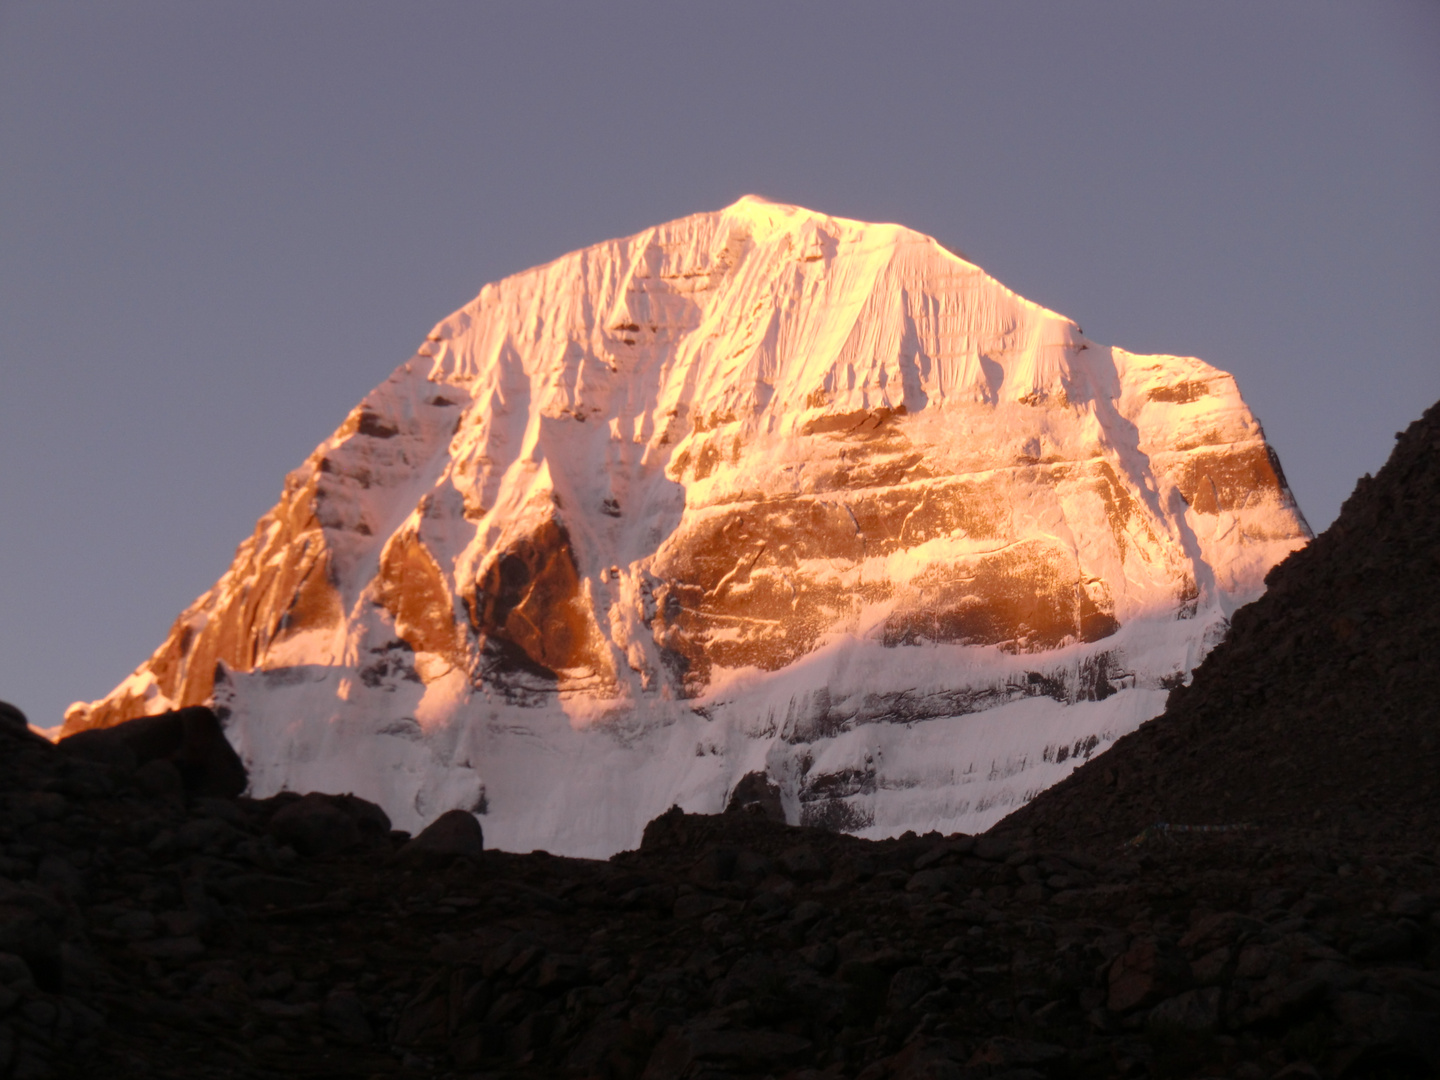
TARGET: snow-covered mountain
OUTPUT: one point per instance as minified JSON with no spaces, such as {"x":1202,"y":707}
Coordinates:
{"x":758,"y":491}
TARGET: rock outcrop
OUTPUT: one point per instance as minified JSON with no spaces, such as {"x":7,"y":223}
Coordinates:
{"x":189,"y":740}
{"x":1318,"y":709}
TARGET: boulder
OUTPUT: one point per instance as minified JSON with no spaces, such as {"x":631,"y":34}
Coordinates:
{"x":1149,"y":971}
{"x":191,"y":739}
{"x":13,"y":717}
{"x":1001,"y":1052}
{"x":453,"y":833}
{"x":28,"y":934}
{"x":909,"y":985}
{"x":803,"y":863}
{"x":321,"y":824}
{"x":344,"y":1014}
{"x":1217,"y":931}
{"x":1195,"y":1010}
{"x":758,"y":793}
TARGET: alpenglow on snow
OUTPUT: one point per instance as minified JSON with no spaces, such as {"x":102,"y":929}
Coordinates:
{"x":757,"y":496}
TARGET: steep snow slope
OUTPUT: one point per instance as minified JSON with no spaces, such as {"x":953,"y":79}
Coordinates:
{"x":753,"y":491}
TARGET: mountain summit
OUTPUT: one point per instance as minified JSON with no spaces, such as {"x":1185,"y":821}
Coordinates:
{"x":754,"y":505}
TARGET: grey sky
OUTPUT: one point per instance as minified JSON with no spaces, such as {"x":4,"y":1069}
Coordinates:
{"x":222,"y":223}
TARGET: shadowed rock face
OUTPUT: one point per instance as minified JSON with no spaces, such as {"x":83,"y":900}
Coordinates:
{"x":531,"y":598}
{"x":792,"y":474}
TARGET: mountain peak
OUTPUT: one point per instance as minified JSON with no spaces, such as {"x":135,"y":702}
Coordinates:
{"x":768,"y":214}
{"x":756,"y":493}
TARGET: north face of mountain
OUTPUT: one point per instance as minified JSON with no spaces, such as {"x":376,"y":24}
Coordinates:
{"x":1318,"y":711}
{"x":755,"y":493}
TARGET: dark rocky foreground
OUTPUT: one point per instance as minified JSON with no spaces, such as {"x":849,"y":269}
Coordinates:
{"x":148,"y":931}
{"x":155,"y":924}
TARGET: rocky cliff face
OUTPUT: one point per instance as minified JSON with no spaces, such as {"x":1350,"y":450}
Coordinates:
{"x":755,"y":491}
{"x":1318,"y":710}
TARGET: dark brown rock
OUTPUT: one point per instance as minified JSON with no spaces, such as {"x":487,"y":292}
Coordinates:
{"x":1148,"y":971}
{"x":531,"y":599}
{"x":26,"y":933}
{"x":200,"y":933}
{"x":1215,"y":931}
{"x":191,"y":739}
{"x":161,"y":779}
{"x":804,"y":863}
{"x":756,"y":791}
{"x":13,"y":717}
{"x":1285,"y":1001}
{"x":345,"y":1015}
{"x":314,"y":825}
{"x":1009,"y":1053}
{"x":1195,"y":1010}
{"x":750,"y":1050}
{"x":320,"y":823}
{"x":455,"y":833}
{"x":993,"y":848}
{"x":909,"y":985}
{"x":265,"y":890}
{"x":612,"y":1046}
{"x":697,"y":905}
{"x":1391,"y":941}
